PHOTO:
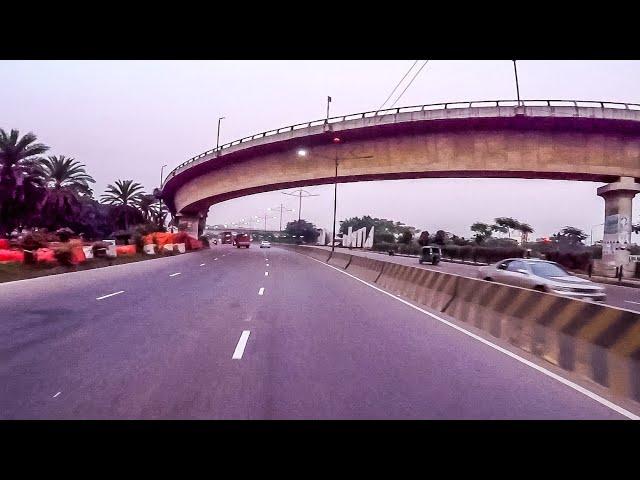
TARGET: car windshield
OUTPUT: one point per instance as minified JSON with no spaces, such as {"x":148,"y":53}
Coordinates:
{"x":544,"y":269}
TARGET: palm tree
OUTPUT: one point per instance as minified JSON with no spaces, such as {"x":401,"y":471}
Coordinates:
{"x":63,"y":172}
{"x":19,"y":185}
{"x":124,"y":192}
{"x":124,"y":195}
{"x":148,"y":206}
{"x":65,"y":180}
{"x":508,"y":223}
{"x":525,"y":229}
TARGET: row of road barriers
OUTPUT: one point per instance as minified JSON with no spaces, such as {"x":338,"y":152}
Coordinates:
{"x":596,"y":341}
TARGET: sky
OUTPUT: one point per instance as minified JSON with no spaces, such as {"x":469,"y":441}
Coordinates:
{"x":125,"y":119}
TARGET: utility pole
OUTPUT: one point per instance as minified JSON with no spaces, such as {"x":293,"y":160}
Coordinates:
{"x":282,"y":209}
{"x":328,"y":103}
{"x":300,"y":196}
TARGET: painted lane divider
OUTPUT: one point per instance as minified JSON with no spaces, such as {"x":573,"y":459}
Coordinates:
{"x":630,"y":301}
{"x":57,"y":394}
{"x":216,"y":258}
{"x":110,"y":295}
{"x":266,"y":274}
{"x":174,"y":274}
{"x":202,"y":264}
{"x":242,"y":343}
{"x":261,"y":291}
{"x":267,"y":264}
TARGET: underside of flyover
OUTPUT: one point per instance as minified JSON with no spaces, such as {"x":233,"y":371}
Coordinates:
{"x":561,"y":143}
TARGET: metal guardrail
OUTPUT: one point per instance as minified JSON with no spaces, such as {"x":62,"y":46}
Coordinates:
{"x":416,"y":108}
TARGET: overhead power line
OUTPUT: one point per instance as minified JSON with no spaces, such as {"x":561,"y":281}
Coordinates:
{"x":409,"y":84}
{"x":397,"y":85}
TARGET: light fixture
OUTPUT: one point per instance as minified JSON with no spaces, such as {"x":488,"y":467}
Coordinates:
{"x":302,"y":152}
{"x":336,"y":139}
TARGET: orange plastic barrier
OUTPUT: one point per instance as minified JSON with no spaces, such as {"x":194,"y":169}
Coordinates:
{"x":45,"y":255}
{"x":4,"y":244}
{"x":126,"y":250}
{"x":11,"y":256}
{"x":148,"y":239}
{"x":77,"y":255}
{"x":161,"y":239}
{"x":180,"y":237}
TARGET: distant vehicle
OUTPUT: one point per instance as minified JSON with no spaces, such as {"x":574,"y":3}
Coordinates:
{"x":227,"y":237}
{"x":265,"y":244}
{"x":430,"y":254}
{"x":242,"y":240}
{"x":542,"y":275}
{"x":214,"y":241}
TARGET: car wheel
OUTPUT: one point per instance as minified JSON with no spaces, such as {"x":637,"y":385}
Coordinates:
{"x":488,"y":279}
{"x":420,"y":262}
{"x":540,"y":288}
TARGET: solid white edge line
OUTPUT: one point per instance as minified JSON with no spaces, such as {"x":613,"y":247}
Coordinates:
{"x":110,"y":295}
{"x":261,"y":291}
{"x":242,"y":343}
{"x":174,"y":274}
{"x":630,"y":301}
{"x":569,"y":383}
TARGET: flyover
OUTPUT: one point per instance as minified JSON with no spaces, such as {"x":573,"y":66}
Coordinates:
{"x":537,"y":139}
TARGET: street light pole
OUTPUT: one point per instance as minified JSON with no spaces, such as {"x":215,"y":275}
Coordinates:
{"x":515,"y":69}
{"x":161,"y":178}
{"x":218,"y":136}
{"x":335,"y":202}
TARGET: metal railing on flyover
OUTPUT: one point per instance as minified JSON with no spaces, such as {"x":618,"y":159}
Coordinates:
{"x":415,"y":108}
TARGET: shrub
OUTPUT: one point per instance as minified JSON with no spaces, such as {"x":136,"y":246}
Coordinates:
{"x":63,"y":254}
{"x":99,"y":249}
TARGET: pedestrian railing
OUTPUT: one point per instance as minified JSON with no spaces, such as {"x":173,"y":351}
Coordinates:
{"x":417,"y":108}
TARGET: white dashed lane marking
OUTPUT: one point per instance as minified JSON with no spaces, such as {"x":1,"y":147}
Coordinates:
{"x":109,"y":295}
{"x":57,"y":394}
{"x":202,"y":264}
{"x":261,"y":291}
{"x":242,"y":343}
{"x":174,"y":274}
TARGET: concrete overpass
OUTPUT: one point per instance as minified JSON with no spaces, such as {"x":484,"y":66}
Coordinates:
{"x":541,"y":139}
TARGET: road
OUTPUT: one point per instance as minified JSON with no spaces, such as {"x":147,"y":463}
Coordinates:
{"x":617,"y":296}
{"x":251,"y":334}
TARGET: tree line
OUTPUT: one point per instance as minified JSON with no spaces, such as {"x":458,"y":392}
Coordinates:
{"x":55,"y":192}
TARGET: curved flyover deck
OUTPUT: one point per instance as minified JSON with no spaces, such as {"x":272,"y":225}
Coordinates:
{"x":547,"y":139}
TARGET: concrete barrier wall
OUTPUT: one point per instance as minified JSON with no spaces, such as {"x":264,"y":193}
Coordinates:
{"x":365,"y":268}
{"x":596,"y":341}
{"x":317,"y":253}
{"x":338,"y":259}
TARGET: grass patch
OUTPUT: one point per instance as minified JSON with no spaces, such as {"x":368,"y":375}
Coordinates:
{"x":10,"y":272}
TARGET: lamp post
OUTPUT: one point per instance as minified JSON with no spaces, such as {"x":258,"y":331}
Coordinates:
{"x":161,"y":178}
{"x":218,"y":135}
{"x":336,"y":140}
{"x":515,"y":69}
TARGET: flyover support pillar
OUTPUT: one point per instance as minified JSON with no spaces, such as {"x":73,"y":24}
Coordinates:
{"x":193,"y":224}
{"x":618,"y":198}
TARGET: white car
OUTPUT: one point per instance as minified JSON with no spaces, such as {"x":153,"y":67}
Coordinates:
{"x":542,"y":275}
{"x":265,"y":244}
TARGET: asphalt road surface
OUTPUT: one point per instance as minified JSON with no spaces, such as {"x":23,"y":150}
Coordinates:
{"x":251,"y":334}
{"x":617,"y":296}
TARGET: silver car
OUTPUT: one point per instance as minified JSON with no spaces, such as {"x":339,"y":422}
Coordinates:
{"x":542,"y":275}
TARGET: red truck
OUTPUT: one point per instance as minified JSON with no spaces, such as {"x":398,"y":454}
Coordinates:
{"x":243,"y":240}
